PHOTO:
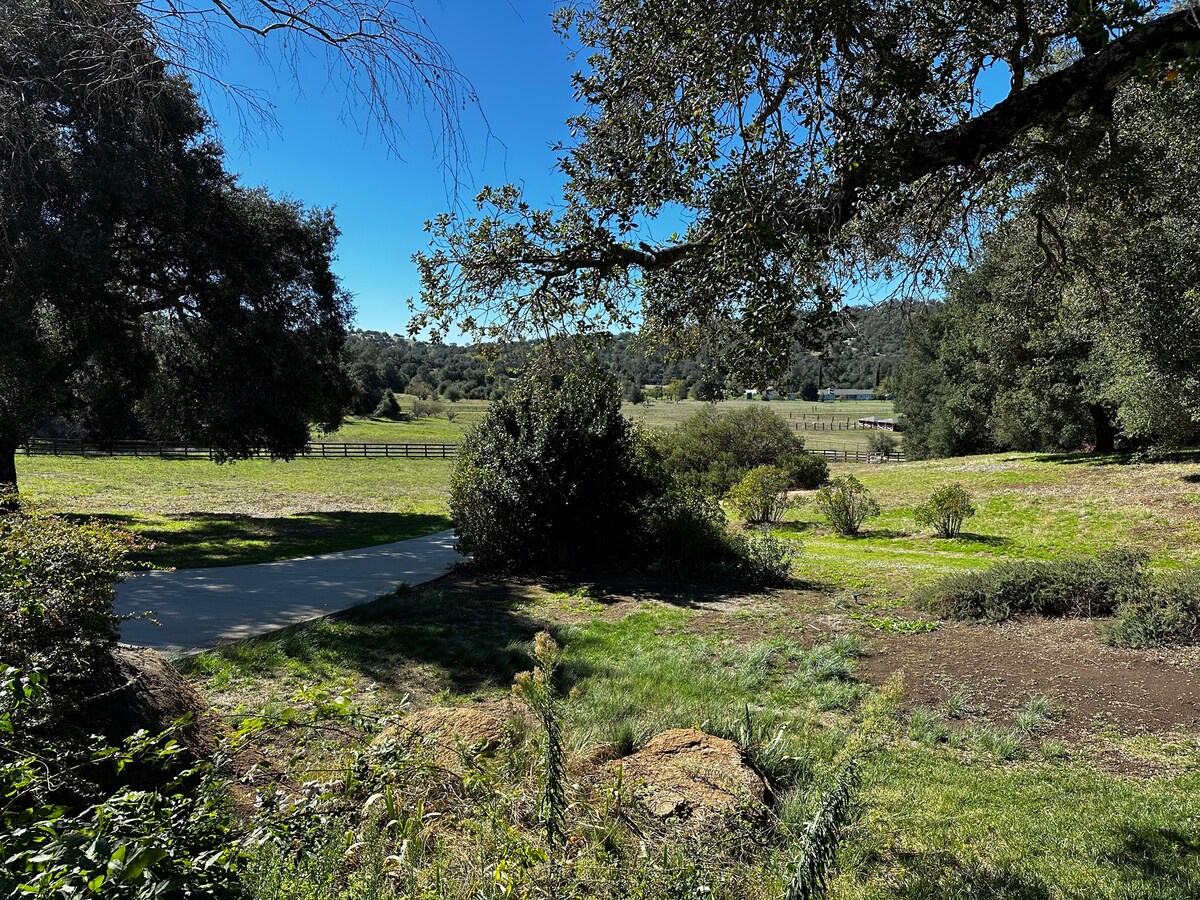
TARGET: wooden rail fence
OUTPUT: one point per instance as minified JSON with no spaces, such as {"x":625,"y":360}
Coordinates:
{"x":323,"y":450}
{"x":336,"y":450}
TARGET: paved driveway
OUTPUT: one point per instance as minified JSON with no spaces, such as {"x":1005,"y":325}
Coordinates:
{"x":199,"y":608}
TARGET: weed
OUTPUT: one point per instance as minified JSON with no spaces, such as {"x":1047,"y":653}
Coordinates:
{"x":1003,"y":744}
{"x":1034,"y":717}
{"x":925,"y":727}
{"x":958,"y":704}
{"x":896,"y":624}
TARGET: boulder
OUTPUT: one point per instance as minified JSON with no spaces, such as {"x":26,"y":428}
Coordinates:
{"x":451,"y":731}
{"x":687,"y":774}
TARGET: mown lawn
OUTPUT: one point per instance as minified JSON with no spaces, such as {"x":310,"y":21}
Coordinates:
{"x":197,"y":513}
{"x":991,"y":806}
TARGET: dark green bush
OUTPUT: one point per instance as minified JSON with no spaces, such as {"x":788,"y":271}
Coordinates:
{"x":712,"y":451}
{"x":1168,"y":612}
{"x":389,"y":407}
{"x":554,"y":477}
{"x":805,"y":470}
{"x":1083,"y":586}
{"x":66,"y":836}
{"x":57,"y":586}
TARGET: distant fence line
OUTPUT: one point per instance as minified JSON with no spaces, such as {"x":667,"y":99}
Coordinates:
{"x":855,"y":455}
{"x":337,"y":450}
{"x":323,"y":450}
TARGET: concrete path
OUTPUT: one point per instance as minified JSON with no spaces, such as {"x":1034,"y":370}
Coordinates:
{"x":199,"y":608}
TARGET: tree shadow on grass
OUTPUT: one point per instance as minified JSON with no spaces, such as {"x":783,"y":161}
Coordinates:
{"x":452,"y":634}
{"x":1163,"y":855}
{"x":945,"y":875}
{"x":1119,"y":459}
{"x":196,"y":540}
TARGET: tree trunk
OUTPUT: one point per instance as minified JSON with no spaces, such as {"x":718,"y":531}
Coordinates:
{"x":8,"y":479}
{"x":9,"y":502}
{"x":1106,"y":434}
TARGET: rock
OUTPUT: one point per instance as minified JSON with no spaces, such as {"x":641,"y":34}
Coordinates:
{"x":685,"y":773}
{"x":451,"y":731}
{"x":141,"y":690}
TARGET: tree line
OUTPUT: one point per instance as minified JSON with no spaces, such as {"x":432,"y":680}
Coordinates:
{"x":860,"y":347}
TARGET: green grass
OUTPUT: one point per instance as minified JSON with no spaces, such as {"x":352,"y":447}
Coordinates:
{"x":447,"y":427}
{"x":1028,"y":507}
{"x":200,"y":514}
{"x":819,"y":417}
{"x":947,"y":809}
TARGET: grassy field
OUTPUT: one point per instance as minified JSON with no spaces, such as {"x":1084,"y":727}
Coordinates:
{"x":974,"y":798}
{"x":822,"y":425}
{"x":197,"y":513}
{"x":1028,"y":506}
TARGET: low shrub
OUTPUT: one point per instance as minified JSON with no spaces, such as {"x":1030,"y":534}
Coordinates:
{"x":946,"y":510}
{"x":424,"y":409}
{"x":759,"y":559}
{"x":1084,"y":586}
{"x":761,"y":496}
{"x":1168,"y":612}
{"x":846,"y":504}
{"x":57,"y":587}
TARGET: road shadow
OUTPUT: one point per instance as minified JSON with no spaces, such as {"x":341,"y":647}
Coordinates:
{"x":199,"y":540}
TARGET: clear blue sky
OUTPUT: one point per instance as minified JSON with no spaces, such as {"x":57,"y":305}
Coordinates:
{"x":520,"y":70}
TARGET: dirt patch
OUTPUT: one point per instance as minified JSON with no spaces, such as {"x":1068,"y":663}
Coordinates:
{"x":1001,"y":667}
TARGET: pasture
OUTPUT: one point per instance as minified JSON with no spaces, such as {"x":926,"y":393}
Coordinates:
{"x":976,"y":743}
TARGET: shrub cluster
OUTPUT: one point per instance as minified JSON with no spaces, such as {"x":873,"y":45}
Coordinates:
{"x":57,"y":587}
{"x":1167,"y":612}
{"x":712,"y":451}
{"x":556,"y":478}
{"x":1082,"y":586}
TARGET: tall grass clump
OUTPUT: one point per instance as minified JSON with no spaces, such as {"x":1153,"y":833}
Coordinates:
{"x":1082,"y":586}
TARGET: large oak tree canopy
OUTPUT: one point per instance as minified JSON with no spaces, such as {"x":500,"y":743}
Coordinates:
{"x":136,"y":274}
{"x":801,"y":146}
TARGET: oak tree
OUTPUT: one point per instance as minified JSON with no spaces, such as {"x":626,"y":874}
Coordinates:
{"x":797,"y":149}
{"x":136,"y":274}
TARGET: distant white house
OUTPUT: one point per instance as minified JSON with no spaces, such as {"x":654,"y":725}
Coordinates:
{"x":832,"y":395}
{"x":768,"y":394}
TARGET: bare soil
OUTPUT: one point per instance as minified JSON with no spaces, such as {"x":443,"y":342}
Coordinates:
{"x":1094,"y":686}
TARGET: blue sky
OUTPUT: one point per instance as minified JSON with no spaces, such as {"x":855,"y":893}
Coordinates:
{"x":520,"y":70}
